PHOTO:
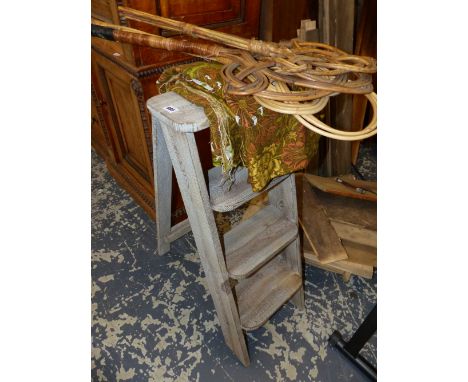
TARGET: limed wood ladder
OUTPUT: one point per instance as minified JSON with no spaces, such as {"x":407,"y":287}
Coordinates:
{"x":254,"y":268}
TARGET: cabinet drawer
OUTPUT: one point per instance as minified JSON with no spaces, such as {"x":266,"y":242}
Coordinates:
{"x":204,"y":12}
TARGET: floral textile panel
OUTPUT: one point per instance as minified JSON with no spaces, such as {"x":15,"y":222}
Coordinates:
{"x":267,"y":143}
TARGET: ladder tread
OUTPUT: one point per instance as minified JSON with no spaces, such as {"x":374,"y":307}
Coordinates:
{"x":253,"y":242}
{"x":261,"y":295}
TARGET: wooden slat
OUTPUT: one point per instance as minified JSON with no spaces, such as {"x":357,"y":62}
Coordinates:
{"x":261,"y":295}
{"x":311,"y":259}
{"x":362,"y":213}
{"x":354,"y":233}
{"x":330,"y":185}
{"x":361,"y":254}
{"x":365,"y":184}
{"x":253,"y":242}
{"x":318,"y":229}
{"x":350,"y":265}
{"x":179,"y":230}
{"x":225,"y":196}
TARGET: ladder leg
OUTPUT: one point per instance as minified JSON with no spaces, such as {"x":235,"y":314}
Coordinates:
{"x":162,"y":168}
{"x":283,"y":196}
{"x":292,"y":252}
{"x":184,"y":155}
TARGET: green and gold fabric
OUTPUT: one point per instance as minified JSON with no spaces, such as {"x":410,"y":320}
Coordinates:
{"x":267,"y":143}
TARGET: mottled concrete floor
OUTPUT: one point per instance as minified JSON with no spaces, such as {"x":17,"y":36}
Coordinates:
{"x":367,"y":159}
{"x":153,"y":320}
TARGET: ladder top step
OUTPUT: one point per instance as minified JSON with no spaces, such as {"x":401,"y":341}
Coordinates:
{"x":225,"y":196}
{"x":178,"y":113}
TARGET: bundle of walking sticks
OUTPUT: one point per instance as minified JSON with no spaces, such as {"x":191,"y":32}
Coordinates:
{"x":296,"y":78}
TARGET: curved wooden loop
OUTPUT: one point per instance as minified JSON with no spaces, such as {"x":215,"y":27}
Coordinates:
{"x":311,"y":107}
{"x":303,"y":112}
{"x":314,"y":124}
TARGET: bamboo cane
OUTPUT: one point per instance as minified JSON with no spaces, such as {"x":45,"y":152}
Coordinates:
{"x":255,"y":46}
{"x":134,"y":36}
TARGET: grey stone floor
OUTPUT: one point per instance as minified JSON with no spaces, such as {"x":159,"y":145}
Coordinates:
{"x":367,"y":159}
{"x":153,"y":320}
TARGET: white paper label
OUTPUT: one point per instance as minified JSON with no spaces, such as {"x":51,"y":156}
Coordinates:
{"x":171,"y":109}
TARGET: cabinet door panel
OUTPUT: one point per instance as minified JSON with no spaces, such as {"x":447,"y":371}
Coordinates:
{"x":125,"y":106}
{"x":128,"y":127}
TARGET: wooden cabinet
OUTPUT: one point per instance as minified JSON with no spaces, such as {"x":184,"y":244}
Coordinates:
{"x":124,"y":78}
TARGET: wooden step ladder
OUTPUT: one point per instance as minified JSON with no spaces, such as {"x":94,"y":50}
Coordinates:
{"x":253,"y":269}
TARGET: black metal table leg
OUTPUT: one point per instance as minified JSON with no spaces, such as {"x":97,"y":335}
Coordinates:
{"x":352,"y":348}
